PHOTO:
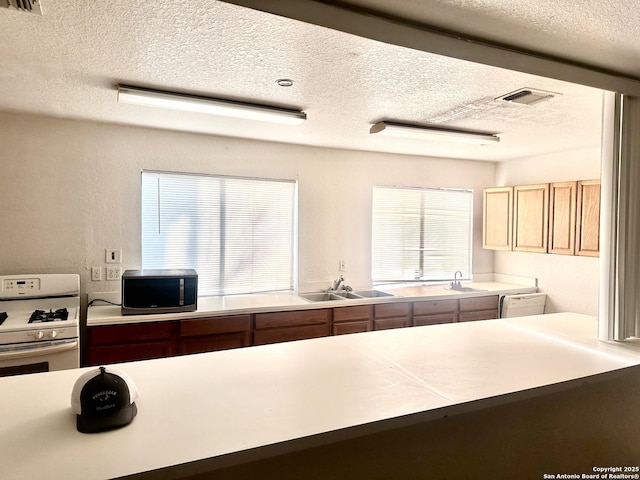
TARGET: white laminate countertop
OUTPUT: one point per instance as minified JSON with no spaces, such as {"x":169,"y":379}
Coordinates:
{"x":283,"y":301}
{"x":203,"y":406}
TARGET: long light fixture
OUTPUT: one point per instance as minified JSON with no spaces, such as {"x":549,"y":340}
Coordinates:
{"x":212,"y":106}
{"x":432,"y":133}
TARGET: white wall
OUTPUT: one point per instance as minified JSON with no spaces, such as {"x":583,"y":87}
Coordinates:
{"x":571,"y":282}
{"x":70,"y":189}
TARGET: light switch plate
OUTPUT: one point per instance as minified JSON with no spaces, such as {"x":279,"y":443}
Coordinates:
{"x":113,"y":255}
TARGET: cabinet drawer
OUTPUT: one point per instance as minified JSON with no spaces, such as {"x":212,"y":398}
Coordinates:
{"x":422,"y":320}
{"x":214,"y":325}
{"x":210,"y":343}
{"x":477,"y":315}
{"x":275,"y":335}
{"x":386,"y":310}
{"x":133,"y":332}
{"x":347,"y":314}
{"x":435,"y":306}
{"x":298,"y":317}
{"x":351,"y":327}
{"x":129,"y":352}
{"x":479,"y":303}
{"x":388,"y":323}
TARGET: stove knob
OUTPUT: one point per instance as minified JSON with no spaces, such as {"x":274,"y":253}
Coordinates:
{"x":38,"y":335}
{"x":53,"y":334}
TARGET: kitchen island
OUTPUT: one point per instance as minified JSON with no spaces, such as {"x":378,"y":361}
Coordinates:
{"x":356,"y":406}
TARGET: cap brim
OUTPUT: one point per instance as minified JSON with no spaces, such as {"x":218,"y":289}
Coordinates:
{"x":124,"y":416}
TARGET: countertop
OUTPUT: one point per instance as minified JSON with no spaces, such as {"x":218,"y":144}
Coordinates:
{"x":198,"y":408}
{"x":284,"y":301}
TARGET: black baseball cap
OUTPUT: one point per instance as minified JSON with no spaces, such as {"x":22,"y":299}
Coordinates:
{"x":104,"y":399}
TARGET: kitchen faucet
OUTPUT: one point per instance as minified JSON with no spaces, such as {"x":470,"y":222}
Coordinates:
{"x":456,"y":282}
{"x":336,"y":284}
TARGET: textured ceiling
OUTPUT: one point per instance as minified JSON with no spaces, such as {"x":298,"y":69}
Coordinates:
{"x":67,"y":62}
{"x":599,"y":33}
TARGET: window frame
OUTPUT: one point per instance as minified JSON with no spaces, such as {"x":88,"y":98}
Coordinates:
{"x":218,"y":284}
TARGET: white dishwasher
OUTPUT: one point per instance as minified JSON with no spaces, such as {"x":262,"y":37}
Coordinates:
{"x":522,"y":304}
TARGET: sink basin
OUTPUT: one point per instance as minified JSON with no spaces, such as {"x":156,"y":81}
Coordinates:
{"x":465,"y":289}
{"x":372,"y":294}
{"x":322,"y":297}
{"x":343,"y":295}
{"x":347,"y":294}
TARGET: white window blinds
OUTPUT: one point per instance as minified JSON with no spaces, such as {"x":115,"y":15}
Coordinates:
{"x":237,"y":233}
{"x":421,"y":234}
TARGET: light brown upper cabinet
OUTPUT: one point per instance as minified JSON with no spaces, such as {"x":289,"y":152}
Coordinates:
{"x":498,"y":218}
{"x":562,"y":217}
{"x":530,"y":217}
{"x":588,"y":218}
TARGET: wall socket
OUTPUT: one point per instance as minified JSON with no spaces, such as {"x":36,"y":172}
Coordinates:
{"x":113,"y":255}
{"x":96,"y":274}
{"x":113,"y":273}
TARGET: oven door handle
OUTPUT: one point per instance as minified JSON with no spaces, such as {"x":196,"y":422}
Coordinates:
{"x":63,"y":346}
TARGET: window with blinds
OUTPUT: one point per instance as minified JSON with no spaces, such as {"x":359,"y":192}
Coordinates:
{"x":421,"y":234}
{"x":239,"y":234}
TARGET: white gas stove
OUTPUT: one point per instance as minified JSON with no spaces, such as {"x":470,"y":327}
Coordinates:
{"x":39,"y":323}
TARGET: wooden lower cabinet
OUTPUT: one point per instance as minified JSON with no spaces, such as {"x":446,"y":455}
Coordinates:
{"x":391,"y":315}
{"x":135,"y":341}
{"x":354,"y":319}
{"x":296,"y":325}
{"x":478,"y":308}
{"x":214,"y":333}
{"x":433,"y":312}
{"x":141,"y":341}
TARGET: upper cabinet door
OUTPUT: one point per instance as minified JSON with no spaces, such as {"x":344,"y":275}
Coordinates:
{"x":497,"y":216}
{"x":562,"y":218}
{"x":588,"y":218}
{"x":531,"y":217}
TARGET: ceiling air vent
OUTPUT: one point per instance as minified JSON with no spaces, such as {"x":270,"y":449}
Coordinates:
{"x":527,"y":96}
{"x":28,"y":6}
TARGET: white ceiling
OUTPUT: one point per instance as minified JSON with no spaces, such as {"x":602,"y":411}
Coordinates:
{"x":67,"y":62}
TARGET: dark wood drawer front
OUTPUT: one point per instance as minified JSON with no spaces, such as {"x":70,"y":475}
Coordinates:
{"x":388,"y":323}
{"x":134,"y":332}
{"x":477,"y":315}
{"x":387,"y":310}
{"x":214,"y":325}
{"x":422,"y":320}
{"x":129,"y":352}
{"x":299,"y":317}
{"x":479,"y":303}
{"x":210,"y":343}
{"x":274,"y":335}
{"x":351,"y":327}
{"x":435,"y":306}
{"x":347,"y":314}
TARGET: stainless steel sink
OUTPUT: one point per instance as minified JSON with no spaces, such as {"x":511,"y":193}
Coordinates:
{"x":343,"y":295}
{"x":321,"y":297}
{"x":465,"y":289}
{"x":372,"y":294}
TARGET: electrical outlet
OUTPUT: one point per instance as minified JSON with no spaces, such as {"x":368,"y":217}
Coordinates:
{"x":113,"y":255}
{"x":342,"y":266}
{"x":96,"y":274}
{"x":113,"y":273}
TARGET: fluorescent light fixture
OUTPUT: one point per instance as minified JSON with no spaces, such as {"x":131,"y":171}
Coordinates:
{"x":212,"y":106}
{"x":432,"y":133}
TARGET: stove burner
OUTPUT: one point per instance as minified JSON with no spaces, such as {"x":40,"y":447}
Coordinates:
{"x":41,"y":316}
{"x":3,"y":317}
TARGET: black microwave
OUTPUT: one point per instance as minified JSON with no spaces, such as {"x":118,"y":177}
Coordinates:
{"x":159,"y":291}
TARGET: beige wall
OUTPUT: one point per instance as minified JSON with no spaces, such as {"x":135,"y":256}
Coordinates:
{"x":570,"y":282}
{"x":70,"y":189}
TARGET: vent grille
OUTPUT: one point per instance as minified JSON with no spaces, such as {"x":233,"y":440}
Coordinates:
{"x":527,"y":96}
{"x":28,"y":6}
